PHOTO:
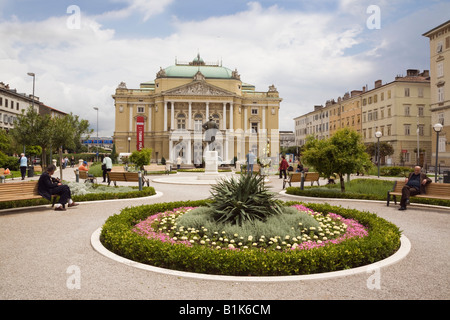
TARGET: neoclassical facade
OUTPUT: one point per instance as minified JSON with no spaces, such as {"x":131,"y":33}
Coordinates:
{"x":167,"y":114}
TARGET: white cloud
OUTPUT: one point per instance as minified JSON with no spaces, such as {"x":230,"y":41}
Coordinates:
{"x":304,"y":55}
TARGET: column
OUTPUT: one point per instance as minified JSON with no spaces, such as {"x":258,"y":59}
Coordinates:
{"x":172,"y":115}
{"x":165,"y":116}
{"x":245,"y":118}
{"x":224,"y":117}
{"x":130,"y":129}
{"x":190,"y":116}
{"x":263,"y":110}
{"x":149,"y":126}
{"x":231,"y":115}
{"x":207,"y":111}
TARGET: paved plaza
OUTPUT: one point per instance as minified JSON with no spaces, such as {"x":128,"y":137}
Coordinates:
{"x":40,"y":250}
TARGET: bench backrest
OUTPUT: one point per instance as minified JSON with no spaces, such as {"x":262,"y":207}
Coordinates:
{"x":155,"y":166}
{"x":38,"y":168}
{"x":124,"y":176}
{"x":295,"y":177}
{"x":118,"y":169}
{"x":18,"y":189}
{"x":311,"y":176}
{"x":83,"y":174}
{"x":436,"y":189}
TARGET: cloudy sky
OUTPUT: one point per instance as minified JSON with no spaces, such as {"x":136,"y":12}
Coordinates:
{"x":312,"y":51}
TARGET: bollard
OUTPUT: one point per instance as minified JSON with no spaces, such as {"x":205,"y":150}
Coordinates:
{"x":303,"y":181}
{"x":77,"y":175}
{"x":140,"y":180}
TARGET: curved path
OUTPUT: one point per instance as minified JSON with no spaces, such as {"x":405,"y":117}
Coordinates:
{"x":46,"y":254}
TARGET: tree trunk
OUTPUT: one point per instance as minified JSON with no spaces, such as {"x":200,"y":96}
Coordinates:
{"x":341,"y":178}
{"x":60,"y":164}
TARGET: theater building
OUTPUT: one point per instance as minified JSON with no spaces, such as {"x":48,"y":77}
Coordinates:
{"x":167,"y":114}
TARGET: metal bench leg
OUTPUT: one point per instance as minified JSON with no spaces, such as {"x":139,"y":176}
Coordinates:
{"x":388,"y":198}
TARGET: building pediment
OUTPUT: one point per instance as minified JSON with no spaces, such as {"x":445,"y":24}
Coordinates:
{"x":197,"y":88}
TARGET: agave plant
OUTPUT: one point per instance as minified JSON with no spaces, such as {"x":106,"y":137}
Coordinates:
{"x":245,"y":199}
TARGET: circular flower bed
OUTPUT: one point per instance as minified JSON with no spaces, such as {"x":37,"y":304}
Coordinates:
{"x":337,"y":239}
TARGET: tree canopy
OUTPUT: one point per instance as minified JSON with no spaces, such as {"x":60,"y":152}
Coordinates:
{"x":343,"y":153}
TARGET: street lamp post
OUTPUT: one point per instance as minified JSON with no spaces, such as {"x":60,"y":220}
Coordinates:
{"x":129,"y":144}
{"x":437,"y":128}
{"x":95,"y":108}
{"x":378,"y":135}
{"x":31,"y":74}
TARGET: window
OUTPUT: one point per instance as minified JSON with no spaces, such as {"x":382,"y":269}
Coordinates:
{"x":406,"y":92}
{"x":421,"y":130}
{"x":369,"y":116}
{"x":1,"y":101}
{"x":140,"y":109}
{"x":382,"y":113}
{"x":389,"y":111}
{"x":198,"y":121}
{"x":442,"y":142}
{"x":440,"y":69}
{"x":389,"y":94}
{"x":216,"y":118}
{"x":407,"y":128}
{"x":375,"y":98}
{"x":254,"y":110}
{"x":420,"y":92}
{"x":420,"y":110}
{"x":407,"y":109}
{"x":388,"y":130}
{"x":441,"y":118}
{"x":382,"y":96}
{"x":181,"y":121}
{"x":441,"y":94}
{"x":375,"y":114}
{"x":254,"y":127}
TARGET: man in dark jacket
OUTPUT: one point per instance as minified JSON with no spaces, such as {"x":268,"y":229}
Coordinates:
{"x":415,"y":184}
{"x":48,"y":186}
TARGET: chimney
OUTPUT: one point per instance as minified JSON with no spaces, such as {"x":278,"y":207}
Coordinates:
{"x":354,"y":93}
{"x":377,"y":83}
{"x":425,"y":73}
{"x":412,"y":73}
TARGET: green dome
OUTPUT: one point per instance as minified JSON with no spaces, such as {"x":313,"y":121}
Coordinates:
{"x":184,"y":71}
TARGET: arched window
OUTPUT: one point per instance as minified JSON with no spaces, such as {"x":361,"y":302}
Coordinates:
{"x":198,"y":121}
{"x":181,"y":121}
{"x":216,"y":118}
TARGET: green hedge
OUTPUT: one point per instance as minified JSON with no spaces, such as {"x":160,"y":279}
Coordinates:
{"x":332,"y":193}
{"x":383,"y":240}
{"x":146,"y":191}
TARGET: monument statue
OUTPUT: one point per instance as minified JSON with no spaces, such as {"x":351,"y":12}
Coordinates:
{"x":211,"y":130}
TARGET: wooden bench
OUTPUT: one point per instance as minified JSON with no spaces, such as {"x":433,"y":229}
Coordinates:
{"x":301,"y":177}
{"x":153,"y":167}
{"x":433,"y":191}
{"x":21,"y":191}
{"x":3,"y":175}
{"x":127,"y":177}
{"x":87,"y":178}
{"x":37,"y":168}
{"x":118,"y":169}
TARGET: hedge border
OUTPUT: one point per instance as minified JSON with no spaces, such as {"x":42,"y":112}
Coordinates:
{"x":146,"y":191}
{"x":383,"y":241}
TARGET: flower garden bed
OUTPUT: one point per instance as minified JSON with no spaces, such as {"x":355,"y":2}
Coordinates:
{"x":337,"y":239}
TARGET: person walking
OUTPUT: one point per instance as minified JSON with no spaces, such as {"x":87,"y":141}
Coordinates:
{"x":106,"y":166}
{"x":23,"y":165}
{"x":48,"y":186}
{"x":250,"y":161}
{"x":283,"y":166}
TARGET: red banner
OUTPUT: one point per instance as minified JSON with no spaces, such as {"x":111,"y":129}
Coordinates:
{"x":140,"y":133}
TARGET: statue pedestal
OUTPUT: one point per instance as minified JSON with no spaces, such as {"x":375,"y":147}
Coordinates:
{"x":211,"y":164}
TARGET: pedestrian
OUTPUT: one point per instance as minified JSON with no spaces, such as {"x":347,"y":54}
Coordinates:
{"x":250,"y":161}
{"x":83,"y":166}
{"x":106,"y":166}
{"x":283,"y":166}
{"x":49,"y":186}
{"x":23,"y":165}
{"x":415,"y":184}
{"x":179,"y":161}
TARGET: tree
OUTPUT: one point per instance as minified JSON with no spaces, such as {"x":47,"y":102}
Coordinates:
{"x":31,"y":128}
{"x":341,"y":154}
{"x":141,"y":158}
{"x":386,"y":149}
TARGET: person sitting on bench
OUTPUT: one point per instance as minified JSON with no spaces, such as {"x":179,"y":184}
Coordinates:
{"x":48,"y":186}
{"x":415,"y":184}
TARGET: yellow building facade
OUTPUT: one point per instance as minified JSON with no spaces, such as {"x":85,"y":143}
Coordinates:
{"x":440,"y":90}
{"x":167,"y":114}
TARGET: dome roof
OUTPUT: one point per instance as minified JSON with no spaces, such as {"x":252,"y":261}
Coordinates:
{"x":189,"y":70}
{"x":184,"y":71}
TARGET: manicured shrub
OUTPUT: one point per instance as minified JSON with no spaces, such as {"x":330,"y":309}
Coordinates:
{"x":117,"y":235}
